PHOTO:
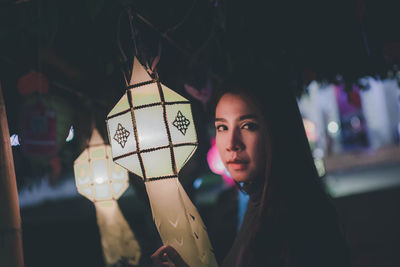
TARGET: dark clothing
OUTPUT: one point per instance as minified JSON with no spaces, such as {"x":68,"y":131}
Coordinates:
{"x":250,"y":217}
{"x":314,"y":244}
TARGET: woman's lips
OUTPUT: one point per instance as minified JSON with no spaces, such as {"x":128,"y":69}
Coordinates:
{"x":237,"y":165}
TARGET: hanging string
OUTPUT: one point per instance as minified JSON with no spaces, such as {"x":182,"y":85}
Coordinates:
{"x":157,"y":58}
{"x":126,"y":70}
{"x":163,"y":34}
{"x":179,"y":24}
{"x":123,"y":55}
{"x":174,"y":43}
{"x":133,"y":33}
{"x":204,"y":45}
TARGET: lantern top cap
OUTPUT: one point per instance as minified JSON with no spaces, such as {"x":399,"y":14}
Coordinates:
{"x":96,"y":138}
{"x":139,"y":73}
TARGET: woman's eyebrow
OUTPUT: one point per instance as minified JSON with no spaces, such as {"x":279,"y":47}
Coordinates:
{"x":248,"y":116}
{"x":243,"y":117}
{"x":219,"y":119}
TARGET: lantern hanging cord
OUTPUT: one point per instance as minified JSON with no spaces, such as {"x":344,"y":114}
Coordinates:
{"x":124,"y":58}
{"x":163,"y":34}
{"x":92,"y":123}
{"x":174,"y":43}
{"x":179,"y":24}
{"x":124,"y":67}
{"x":204,"y":45}
{"x":133,"y":33}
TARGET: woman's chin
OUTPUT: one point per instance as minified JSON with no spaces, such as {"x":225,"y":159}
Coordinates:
{"x":244,"y":176}
{"x":240,"y":177}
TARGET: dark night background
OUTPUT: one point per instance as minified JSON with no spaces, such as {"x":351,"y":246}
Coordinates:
{"x":83,"y":47}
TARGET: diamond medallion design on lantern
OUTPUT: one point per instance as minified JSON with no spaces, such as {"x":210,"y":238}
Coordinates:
{"x":181,"y":122}
{"x":121,"y":135}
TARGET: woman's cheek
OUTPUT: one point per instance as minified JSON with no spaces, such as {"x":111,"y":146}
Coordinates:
{"x":261,"y":153}
{"x":220,"y":150}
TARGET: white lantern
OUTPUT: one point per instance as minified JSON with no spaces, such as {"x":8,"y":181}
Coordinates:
{"x":152,"y":134}
{"x":102,"y":181}
{"x":151,"y":123}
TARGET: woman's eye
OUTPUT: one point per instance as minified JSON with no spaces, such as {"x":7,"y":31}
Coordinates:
{"x":250,"y":126}
{"x":221,"y":128}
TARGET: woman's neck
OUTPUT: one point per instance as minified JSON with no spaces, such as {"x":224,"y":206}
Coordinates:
{"x":254,"y":188}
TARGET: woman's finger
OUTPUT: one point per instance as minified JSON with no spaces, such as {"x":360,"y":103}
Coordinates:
{"x":159,"y":257}
{"x":174,"y":256}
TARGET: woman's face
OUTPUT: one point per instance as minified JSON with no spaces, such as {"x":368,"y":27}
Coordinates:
{"x":240,"y":136}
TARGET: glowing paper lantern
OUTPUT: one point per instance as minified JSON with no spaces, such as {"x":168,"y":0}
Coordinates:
{"x":102,"y":181}
{"x":152,"y":134}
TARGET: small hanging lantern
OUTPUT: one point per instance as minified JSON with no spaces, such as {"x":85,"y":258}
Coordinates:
{"x":39,"y":124}
{"x":102,"y":181}
{"x":96,"y":176}
{"x":152,"y":134}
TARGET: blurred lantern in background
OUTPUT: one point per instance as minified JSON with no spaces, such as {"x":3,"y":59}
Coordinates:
{"x":311,"y":132}
{"x":152,"y":134}
{"x":318,"y":154}
{"x":96,"y":176}
{"x":33,"y":82}
{"x":102,"y":181}
{"x":45,"y":121}
{"x":216,"y":165}
{"x":39,"y":135}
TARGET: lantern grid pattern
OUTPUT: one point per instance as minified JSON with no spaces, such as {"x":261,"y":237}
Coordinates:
{"x":97,"y":177}
{"x":148,"y":124}
{"x":162,"y":137}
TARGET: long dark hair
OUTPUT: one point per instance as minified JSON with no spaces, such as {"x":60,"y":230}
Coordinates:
{"x":294,"y":212}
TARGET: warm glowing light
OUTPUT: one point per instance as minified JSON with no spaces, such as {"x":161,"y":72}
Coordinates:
{"x":96,"y":176}
{"x":102,"y":181}
{"x":99,"y":180}
{"x":152,"y":134}
{"x":333,"y":127}
{"x":151,"y":123}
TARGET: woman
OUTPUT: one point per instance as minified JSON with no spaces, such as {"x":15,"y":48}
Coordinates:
{"x":261,"y":140}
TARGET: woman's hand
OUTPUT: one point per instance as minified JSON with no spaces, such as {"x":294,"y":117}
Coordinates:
{"x":161,"y":256}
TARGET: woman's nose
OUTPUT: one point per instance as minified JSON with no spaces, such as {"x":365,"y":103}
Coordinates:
{"x":235,"y":141}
